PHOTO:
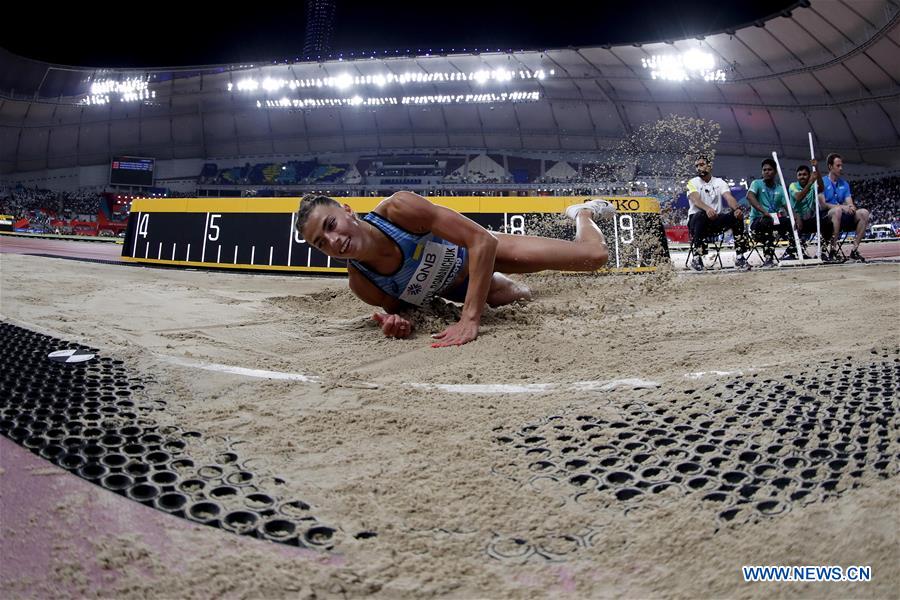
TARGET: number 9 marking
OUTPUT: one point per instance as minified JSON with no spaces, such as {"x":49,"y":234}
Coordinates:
{"x":629,"y":227}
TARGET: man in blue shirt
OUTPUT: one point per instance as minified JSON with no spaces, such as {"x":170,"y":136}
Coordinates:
{"x":769,"y":220}
{"x":843,"y":212}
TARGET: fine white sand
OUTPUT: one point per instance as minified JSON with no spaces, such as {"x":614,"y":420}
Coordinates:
{"x":420,"y":465}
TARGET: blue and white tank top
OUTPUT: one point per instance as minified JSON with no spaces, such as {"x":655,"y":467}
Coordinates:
{"x":428,"y":266}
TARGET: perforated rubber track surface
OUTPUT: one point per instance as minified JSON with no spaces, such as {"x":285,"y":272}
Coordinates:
{"x":96,"y":421}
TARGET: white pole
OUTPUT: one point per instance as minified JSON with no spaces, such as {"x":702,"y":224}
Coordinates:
{"x":790,"y":208}
{"x":812,"y":156}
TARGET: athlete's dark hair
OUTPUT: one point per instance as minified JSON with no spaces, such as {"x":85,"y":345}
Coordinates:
{"x":770,"y":162}
{"x":832,"y":157}
{"x":803,"y":168}
{"x":307,"y":204}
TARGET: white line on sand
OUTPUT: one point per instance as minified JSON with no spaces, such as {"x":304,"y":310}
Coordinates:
{"x":462,"y":388}
{"x":258,"y":373}
{"x":702,"y":374}
{"x":538,"y":388}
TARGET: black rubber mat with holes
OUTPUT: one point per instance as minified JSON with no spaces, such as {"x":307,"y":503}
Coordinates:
{"x":749,"y":448}
{"x":95,"y":420}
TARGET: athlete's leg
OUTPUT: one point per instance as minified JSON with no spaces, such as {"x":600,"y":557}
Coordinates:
{"x":530,"y":254}
{"x":506,"y":291}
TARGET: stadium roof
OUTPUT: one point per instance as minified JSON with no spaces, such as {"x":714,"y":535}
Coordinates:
{"x":828,"y":67}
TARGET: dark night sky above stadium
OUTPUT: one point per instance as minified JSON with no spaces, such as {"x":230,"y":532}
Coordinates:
{"x":130,"y":34}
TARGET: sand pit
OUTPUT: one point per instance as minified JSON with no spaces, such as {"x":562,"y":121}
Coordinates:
{"x":380,"y":441}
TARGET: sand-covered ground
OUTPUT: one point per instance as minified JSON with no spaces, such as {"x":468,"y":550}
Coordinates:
{"x":427,"y":449}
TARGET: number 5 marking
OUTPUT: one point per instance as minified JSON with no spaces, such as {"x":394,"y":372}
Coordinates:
{"x":212,"y":225}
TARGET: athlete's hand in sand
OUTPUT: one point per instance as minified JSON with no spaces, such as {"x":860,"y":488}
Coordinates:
{"x":393,"y":325}
{"x":456,"y":335}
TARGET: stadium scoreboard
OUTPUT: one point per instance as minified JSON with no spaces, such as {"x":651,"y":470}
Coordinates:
{"x":131,"y":170}
{"x":259,"y":233}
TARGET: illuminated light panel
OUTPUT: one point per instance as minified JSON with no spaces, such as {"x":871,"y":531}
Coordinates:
{"x":470,"y":98}
{"x":346,"y":81}
{"x":357,"y":100}
{"x":687,"y":66}
{"x":133,"y":89}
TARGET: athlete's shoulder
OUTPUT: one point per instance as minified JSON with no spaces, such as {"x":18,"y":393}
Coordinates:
{"x":381,"y":207}
{"x":401,"y":201}
{"x":405,"y":197}
{"x":406,"y":210}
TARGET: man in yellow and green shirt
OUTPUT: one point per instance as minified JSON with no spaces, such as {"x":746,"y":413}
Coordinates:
{"x":803,"y":199}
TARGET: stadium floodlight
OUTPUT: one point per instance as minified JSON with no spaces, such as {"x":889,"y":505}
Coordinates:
{"x":345,"y":81}
{"x":248,"y":85}
{"x":360,"y":101}
{"x":691,"y":65}
{"x":125,"y":86}
{"x":95,"y":100}
{"x":131,"y":89}
{"x":273,"y":85}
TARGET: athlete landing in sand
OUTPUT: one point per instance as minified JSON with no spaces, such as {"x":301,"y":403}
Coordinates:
{"x":408,"y":250}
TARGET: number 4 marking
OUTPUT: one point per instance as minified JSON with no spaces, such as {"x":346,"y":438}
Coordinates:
{"x":143,"y":226}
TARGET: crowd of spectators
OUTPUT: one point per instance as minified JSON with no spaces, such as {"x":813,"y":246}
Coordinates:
{"x":44,"y":210}
{"x":477,"y":178}
{"x":880,"y":196}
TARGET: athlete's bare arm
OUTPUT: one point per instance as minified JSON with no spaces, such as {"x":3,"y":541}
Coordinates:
{"x":393,"y":324}
{"x":415,"y":213}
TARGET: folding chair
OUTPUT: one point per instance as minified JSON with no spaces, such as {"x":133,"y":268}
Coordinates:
{"x":714,"y":245}
{"x":843,"y":238}
{"x":757,"y":246}
{"x":754,"y":246}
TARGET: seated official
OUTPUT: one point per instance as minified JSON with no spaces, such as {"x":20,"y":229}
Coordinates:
{"x":769,"y":220}
{"x":803,"y":198}
{"x":713,"y":210}
{"x":843,"y":212}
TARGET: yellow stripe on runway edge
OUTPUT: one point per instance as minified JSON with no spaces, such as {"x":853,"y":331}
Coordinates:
{"x":464,"y":204}
{"x":336,"y":270}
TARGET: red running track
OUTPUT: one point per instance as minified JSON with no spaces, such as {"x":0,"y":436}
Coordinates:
{"x":111,"y":251}
{"x":67,"y":248}
{"x":879,"y":249}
